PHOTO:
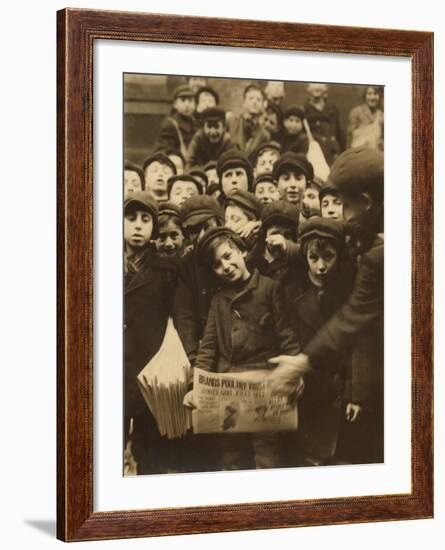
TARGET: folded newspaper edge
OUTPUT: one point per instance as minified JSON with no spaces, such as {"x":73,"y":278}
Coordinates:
{"x":239,"y":402}
{"x":163,"y":384}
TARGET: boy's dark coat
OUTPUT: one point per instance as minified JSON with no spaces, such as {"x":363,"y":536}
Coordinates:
{"x":194,"y":291}
{"x":246,"y":328}
{"x":359,"y":325}
{"x":325,"y":127}
{"x":147,"y":308}
{"x":296,"y":143}
{"x":323,"y":402}
{"x":246,"y":135}
{"x":201,"y":151}
{"x":168,"y":136}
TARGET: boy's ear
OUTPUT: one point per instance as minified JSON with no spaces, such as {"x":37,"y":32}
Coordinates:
{"x":244,"y":253}
{"x":367,"y":201}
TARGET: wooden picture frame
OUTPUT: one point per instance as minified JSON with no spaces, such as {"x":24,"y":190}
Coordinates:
{"x":76,"y":32}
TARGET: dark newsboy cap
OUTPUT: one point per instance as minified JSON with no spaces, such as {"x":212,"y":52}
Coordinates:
{"x":293,"y":160}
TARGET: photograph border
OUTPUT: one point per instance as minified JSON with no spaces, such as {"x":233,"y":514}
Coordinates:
{"x":76,"y":32}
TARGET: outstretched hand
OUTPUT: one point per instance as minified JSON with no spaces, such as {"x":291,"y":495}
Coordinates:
{"x":287,"y":376}
{"x":250,"y":228}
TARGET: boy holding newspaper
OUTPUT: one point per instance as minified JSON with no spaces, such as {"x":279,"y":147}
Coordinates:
{"x":245,"y":328}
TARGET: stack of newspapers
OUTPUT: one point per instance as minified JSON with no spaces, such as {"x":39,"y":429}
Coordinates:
{"x":163,"y":383}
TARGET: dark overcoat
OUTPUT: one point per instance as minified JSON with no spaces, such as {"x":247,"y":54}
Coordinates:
{"x":147,"y":307}
{"x":246,"y":327}
{"x":325,"y":128}
{"x":358,"y":325}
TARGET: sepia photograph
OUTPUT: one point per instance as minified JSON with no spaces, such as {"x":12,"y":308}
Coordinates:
{"x":253,"y":262}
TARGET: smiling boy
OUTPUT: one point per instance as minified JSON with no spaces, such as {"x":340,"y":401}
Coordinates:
{"x":293,"y":172}
{"x":246,"y":326}
{"x":211,"y":141}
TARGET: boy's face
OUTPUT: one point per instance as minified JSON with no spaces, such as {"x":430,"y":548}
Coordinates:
{"x":206,"y":100}
{"x":138,"y":228}
{"x":234,"y":178}
{"x":293,"y":125}
{"x":156,"y":176}
{"x":271,"y":122}
{"x":229,"y":263}
{"x":132,"y":182}
{"x":332,"y":207}
{"x":170,"y":240}
{"x":266,"y":192}
{"x":321,"y":260}
{"x":235,"y":218}
{"x":265,"y":161}
{"x":214,"y":130}
{"x":372,"y":97}
{"x":253,"y":102}
{"x":185,"y":105}
{"x":178,"y":162}
{"x":181,"y":191}
{"x":195,"y":232}
{"x":311,"y":202}
{"x":291,"y":185}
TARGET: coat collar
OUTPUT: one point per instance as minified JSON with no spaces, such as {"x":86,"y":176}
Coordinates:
{"x":145,"y":273}
{"x":233,"y":295}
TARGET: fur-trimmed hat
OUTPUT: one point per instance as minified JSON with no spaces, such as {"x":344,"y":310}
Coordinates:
{"x":293,"y":160}
{"x":143,"y":200}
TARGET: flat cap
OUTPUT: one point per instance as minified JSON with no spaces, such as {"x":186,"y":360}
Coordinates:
{"x":293,"y":160}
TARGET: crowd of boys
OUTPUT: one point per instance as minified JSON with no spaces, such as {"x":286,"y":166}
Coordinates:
{"x":261,"y":264}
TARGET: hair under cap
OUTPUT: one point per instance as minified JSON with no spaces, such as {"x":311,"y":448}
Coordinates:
{"x":159,"y":157}
{"x":296,"y":161}
{"x":234,"y":158}
{"x":215,"y":233}
{"x":183,"y":177}
{"x":143,"y":200}
{"x":325,"y":228}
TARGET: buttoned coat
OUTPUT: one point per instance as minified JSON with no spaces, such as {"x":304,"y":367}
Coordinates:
{"x":246,"y":327}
